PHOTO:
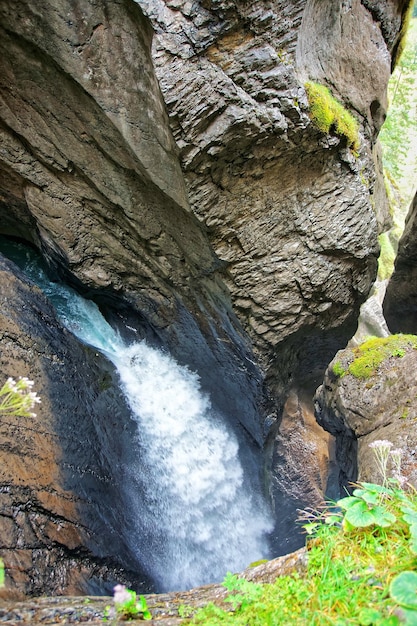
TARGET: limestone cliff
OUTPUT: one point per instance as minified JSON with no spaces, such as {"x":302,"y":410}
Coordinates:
{"x":284,"y":206}
{"x":213,"y":218}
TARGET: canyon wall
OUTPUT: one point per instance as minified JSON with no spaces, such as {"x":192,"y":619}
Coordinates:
{"x":400,"y":303}
{"x":179,"y":180}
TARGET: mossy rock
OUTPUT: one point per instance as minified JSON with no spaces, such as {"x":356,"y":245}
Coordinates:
{"x":328,"y":114}
{"x":374,"y":351}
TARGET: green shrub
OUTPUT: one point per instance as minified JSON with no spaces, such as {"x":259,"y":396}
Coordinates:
{"x":330,"y":115}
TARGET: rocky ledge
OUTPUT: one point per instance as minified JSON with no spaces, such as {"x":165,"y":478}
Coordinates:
{"x":165,"y":608}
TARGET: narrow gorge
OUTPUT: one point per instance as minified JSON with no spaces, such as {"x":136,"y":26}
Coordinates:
{"x":205,"y":250}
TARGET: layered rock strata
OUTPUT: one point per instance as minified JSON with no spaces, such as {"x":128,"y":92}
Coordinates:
{"x":89,"y":175}
{"x":284,"y":206}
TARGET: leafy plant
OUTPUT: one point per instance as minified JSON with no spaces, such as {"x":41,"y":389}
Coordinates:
{"x":243,"y":591}
{"x":328,"y":114}
{"x":128,"y":606}
{"x":403,"y":590}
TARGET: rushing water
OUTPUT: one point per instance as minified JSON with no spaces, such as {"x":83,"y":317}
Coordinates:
{"x":195,"y":515}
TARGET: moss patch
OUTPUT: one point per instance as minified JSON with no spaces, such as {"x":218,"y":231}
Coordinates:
{"x":338,"y":369}
{"x":370,"y":355}
{"x":328,"y":114}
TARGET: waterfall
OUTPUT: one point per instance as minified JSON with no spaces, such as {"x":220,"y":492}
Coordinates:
{"x":195,"y":516}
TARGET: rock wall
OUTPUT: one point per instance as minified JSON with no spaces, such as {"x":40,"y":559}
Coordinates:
{"x":400,"y":303}
{"x":283,"y":205}
{"x":89,"y":175}
{"x":360,"y":410}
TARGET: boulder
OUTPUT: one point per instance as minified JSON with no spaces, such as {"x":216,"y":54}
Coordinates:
{"x":368,"y":395}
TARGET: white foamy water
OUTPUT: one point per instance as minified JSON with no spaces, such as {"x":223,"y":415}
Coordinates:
{"x":200,"y":517}
{"x":195,"y":517}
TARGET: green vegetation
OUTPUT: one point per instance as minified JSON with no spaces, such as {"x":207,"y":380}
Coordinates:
{"x":386,"y":256}
{"x":398,"y":138}
{"x":409,"y":13}
{"x":127,"y":605}
{"x":362,"y":565}
{"x":338,"y":369}
{"x":370,"y":354}
{"x":330,"y":115}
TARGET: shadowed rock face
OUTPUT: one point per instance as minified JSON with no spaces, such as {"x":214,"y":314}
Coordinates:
{"x":60,"y":499}
{"x":89,"y":174}
{"x":227,"y":230}
{"x":400,"y":303}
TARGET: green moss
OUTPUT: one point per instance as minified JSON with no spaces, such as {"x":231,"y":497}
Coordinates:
{"x":370,"y":354}
{"x":404,"y":414}
{"x":260,"y":562}
{"x":328,"y":114}
{"x":338,"y":369}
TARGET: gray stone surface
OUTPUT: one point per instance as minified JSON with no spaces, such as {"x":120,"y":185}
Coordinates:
{"x":359,"y":411}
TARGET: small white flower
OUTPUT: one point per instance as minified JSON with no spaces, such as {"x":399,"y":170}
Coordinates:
{"x":121,"y":594}
{"x":381,"y":443}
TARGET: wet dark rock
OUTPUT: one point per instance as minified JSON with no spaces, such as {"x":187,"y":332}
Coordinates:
{"x":61,"y":471}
